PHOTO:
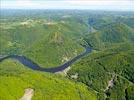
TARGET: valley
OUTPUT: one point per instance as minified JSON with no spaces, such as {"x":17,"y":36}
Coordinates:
{"x":66,"y":55}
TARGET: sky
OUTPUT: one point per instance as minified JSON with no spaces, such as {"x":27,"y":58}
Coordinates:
{"x":121,"y":5}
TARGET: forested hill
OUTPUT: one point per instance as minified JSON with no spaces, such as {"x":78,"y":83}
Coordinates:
{"x":109,"y":35}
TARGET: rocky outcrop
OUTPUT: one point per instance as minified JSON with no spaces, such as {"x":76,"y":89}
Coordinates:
{"x":28,"y":94}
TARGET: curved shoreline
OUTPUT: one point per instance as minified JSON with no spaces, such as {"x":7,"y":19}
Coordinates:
{"x":29,"y":63}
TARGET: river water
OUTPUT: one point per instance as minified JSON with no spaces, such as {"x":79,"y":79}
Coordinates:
{"x":29,"y":63}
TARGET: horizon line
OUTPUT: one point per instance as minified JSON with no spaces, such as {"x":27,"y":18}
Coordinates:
{"x":109,"y":5}
{"x":65,"y":9}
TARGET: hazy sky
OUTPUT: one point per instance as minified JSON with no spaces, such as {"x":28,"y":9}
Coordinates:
{"x":69,"y":4}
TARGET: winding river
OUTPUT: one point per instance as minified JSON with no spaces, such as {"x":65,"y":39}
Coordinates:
{"x":29,"y":63}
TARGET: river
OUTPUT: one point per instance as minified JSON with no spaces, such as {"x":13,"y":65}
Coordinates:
{"x":29,"y":63}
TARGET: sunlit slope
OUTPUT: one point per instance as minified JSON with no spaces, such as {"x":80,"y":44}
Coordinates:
{"x":15,"y":78}
{"x":112,"y":67}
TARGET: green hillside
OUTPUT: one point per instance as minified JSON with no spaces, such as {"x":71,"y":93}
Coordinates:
{"x":53,"y":50}
{"x":110,"y":35}
{"x":46,"y":43}
{"x":15,"y":78}
{"x":97,"y":69}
